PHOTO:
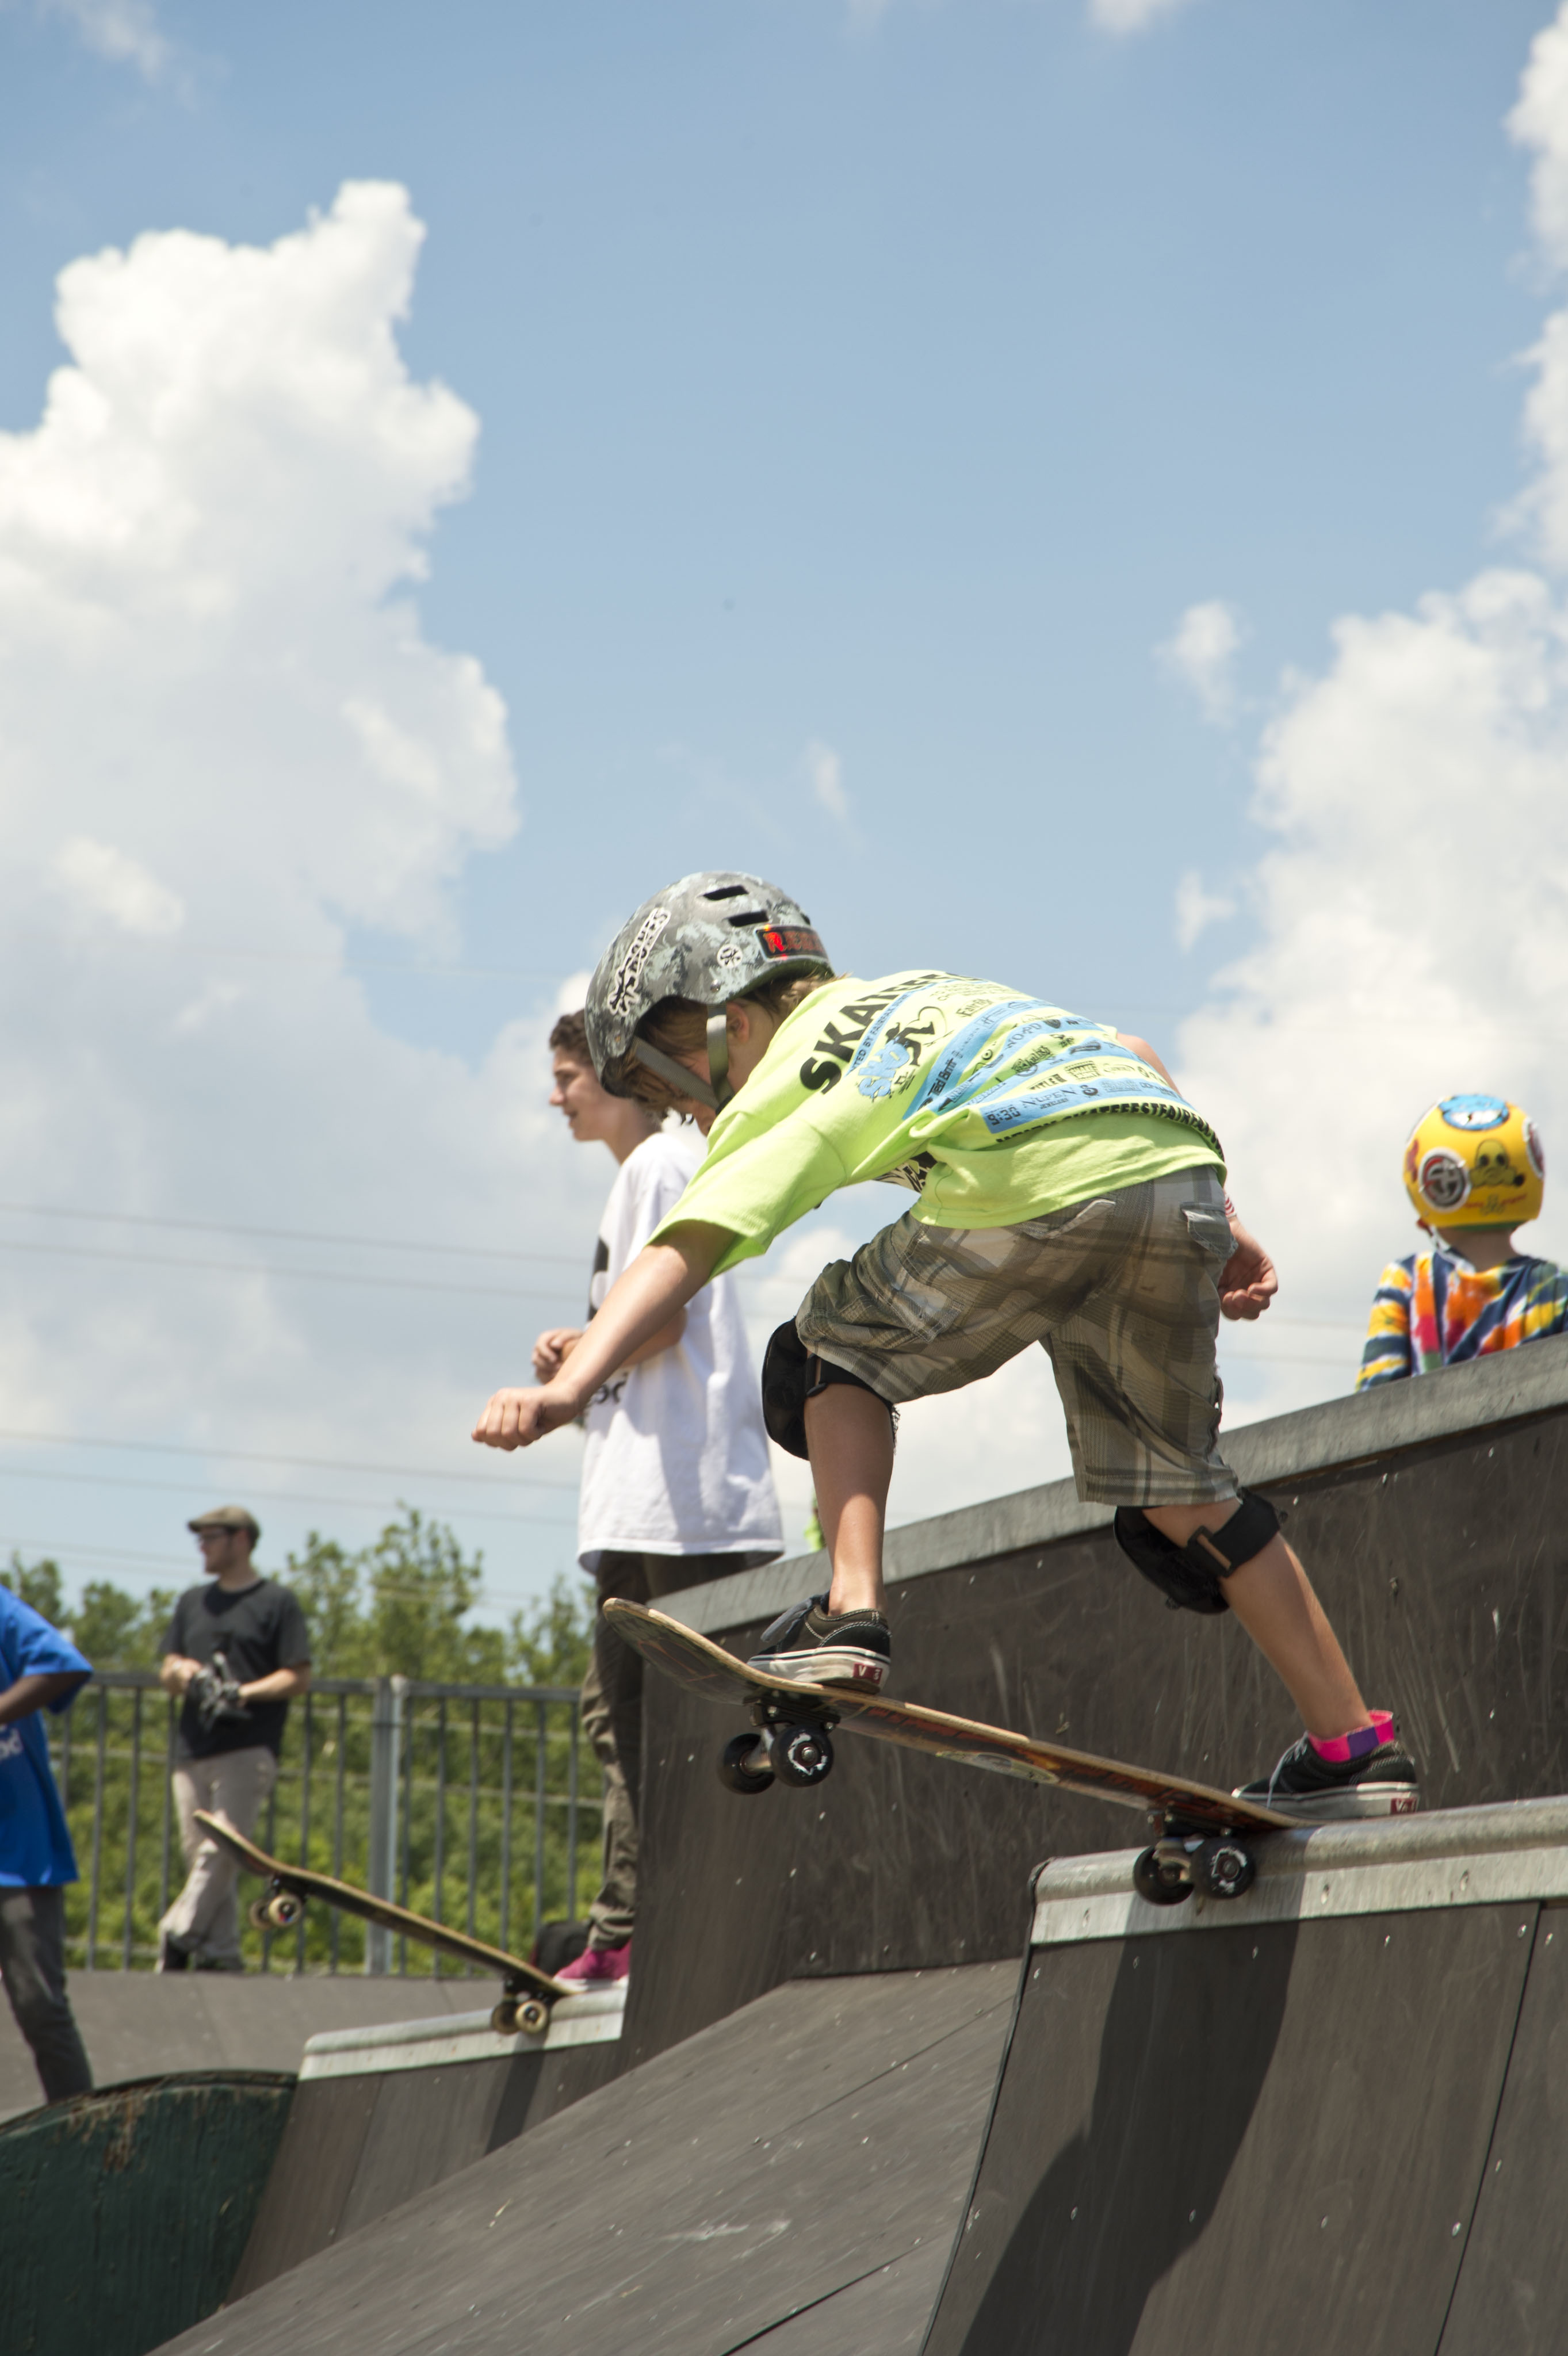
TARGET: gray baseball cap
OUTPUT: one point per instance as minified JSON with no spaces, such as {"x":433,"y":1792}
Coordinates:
{"x":710,"y":938}
{"x":227,"y":1518}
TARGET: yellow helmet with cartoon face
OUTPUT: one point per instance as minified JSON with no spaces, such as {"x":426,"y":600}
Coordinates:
{"x":1474,"y":1161}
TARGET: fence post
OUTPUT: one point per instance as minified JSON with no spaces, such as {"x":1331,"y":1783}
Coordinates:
{"x":386,"y":1730}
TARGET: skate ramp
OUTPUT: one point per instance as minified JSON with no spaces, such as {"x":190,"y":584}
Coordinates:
{"x":382,"y":2114}
{"x":1429,"y":1514}
{"x":789,"y":2180}
{"x":1328,"y":2113}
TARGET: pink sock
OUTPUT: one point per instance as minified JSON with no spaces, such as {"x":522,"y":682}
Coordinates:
{"x":1360,"y":1742}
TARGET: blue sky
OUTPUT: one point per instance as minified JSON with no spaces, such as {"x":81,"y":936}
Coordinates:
{"x":862,"y":400}
{"x":890,"y":388}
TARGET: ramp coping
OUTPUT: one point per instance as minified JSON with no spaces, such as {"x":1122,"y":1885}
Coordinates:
{"x":1453,"y":1856}
{"x":594,"y":2018}
{"x":1387,"y":1420}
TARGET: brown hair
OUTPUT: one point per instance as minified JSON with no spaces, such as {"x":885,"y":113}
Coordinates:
{"x":570,"y":1037}
{"x":678,"y":1027}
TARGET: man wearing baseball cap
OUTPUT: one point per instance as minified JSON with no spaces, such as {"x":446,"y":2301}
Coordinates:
{"x":236,"y":1653}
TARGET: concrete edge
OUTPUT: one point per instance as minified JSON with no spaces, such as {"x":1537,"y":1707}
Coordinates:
{"x":592,"y":2018}
{"x":1386,"y":1422}
{"x":1515,"y":1851}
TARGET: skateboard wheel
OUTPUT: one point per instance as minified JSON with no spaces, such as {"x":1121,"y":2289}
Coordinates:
{"x":525,"y":2016}
{"x":1224,"y":1869}
{"x":284,"y":1910}
{"x":1159,"y":1882}
{"x":258,"y":1914}
{"x":739,"y":1767}
{"x":802,"y":1755}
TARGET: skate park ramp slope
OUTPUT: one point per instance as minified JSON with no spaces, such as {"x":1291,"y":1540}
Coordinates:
{"x":1327,"y":2113}
{"x":789,"y":2180}
{"x":382,"y":2114}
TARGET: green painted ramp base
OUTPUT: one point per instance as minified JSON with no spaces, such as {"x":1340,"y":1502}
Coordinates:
{"x":123,"y":2213}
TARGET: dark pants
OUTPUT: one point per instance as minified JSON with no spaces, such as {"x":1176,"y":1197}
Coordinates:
{"x":32,"y":1963}
{"x":612,"y":1717}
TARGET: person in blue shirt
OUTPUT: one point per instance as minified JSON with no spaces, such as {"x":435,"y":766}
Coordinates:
{"x":39,"y":1669}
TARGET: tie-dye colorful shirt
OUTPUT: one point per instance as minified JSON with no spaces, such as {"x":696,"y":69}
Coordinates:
{"x":1434,"y":1309}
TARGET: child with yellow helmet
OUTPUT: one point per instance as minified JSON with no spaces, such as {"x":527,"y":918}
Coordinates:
{"x":1475,"y":1170}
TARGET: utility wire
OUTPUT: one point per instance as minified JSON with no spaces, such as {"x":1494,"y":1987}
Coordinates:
{"x":252,"y":1456}
{"x":287,"y":1235}
{"x":284,"y":1497}
{"x":297,"y":1275}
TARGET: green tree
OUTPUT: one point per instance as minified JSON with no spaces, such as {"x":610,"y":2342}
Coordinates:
{"x":38,"y":1583}
{"x":117,"y":1631}
{"x":549,"y":1645}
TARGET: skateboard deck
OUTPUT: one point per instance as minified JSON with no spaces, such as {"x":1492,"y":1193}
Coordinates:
{"x":1186,"y":1816}
{"x":528,"y":1993}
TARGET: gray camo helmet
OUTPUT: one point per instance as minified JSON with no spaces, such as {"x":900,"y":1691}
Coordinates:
{"x":709,"y":938}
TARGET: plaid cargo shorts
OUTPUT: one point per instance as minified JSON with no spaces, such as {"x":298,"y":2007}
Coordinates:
{"x":1122,"y":1292}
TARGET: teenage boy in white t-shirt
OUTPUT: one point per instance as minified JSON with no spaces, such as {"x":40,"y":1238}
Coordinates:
{"x":676,"y":1483}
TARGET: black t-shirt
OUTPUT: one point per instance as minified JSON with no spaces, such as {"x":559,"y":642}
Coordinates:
{"x":257,"y":1630}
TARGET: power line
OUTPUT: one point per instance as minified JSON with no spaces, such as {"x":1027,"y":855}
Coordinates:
{"x":252,"y":1456}
{"x":283,"y":1496}
{"x":296,"y":1275}
{"x":287,"y":1235}
{"x":227,"y":953}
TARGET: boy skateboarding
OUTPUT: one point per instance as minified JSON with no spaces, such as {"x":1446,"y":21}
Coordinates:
{"x":1064,"y":1194}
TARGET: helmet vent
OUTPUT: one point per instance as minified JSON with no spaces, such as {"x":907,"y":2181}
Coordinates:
{"x":747,"y":917}
{"x":726,"y":891}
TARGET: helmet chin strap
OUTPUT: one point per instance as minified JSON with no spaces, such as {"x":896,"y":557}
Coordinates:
{"x":718,"y":1056}
{"x":674,"y":1074}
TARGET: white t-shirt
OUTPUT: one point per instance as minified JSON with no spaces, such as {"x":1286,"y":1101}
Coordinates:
{"x":676,"y":1461}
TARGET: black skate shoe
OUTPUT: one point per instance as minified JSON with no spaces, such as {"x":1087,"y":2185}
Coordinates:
{"x":808,"y":1645}
{"x":1317,"y":1791}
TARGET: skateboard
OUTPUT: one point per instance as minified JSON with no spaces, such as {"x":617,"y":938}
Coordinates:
{"x":527,"y":1992}
{"x":1201,"y":1836}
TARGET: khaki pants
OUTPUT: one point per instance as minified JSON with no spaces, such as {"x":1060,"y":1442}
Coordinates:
{"x":205,"y":1917}
{"x":612,"y":1717}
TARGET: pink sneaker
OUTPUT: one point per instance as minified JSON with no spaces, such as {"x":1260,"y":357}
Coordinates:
{"x":595,"y":1966}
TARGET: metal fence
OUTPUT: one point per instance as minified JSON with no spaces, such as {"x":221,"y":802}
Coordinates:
{"x":462,"y":1802}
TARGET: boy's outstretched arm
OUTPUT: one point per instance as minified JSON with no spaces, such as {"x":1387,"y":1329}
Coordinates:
{"x":644,"y":1300}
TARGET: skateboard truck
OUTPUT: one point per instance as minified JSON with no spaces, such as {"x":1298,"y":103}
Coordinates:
{"x":791,"y":1744}
{"x":1183,"y":1859}
{"x":517,"y":2013}
{"x":280,"y":1910}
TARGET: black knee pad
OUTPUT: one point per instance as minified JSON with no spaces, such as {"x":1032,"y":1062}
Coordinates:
{"x":1190,"y":1575}
{"x":790,"y":1375}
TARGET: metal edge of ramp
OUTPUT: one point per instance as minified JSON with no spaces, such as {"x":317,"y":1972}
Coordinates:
{"x":1335,"y":2117}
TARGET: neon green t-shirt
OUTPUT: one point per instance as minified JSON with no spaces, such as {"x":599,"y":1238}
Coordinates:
{"x":993,"y":1107}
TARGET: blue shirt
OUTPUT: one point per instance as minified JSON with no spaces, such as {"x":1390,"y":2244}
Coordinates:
{"x":35,"y":1846}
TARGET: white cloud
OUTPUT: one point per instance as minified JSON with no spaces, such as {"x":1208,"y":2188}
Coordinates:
{"x":825,"y":770}
{"x":1539,"y":121}
{"x":223,"y":735}
{"x":1202,"y":654}
{"x":126,"y":32}
{"x":1414,"y":903}
{"x":101,"y":882}
{"x":1123,"y":16}
{"x":1197,"y":909}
